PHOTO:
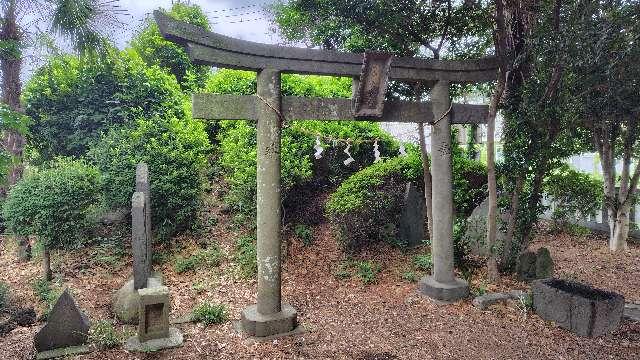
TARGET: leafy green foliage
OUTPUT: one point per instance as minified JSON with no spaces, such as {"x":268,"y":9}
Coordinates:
{"x":54,"y":204}
{"x":210,"y":313}
{"x":73,"y":100}
{"x":4,"y":295}
{"x":305,"y":233}
{"x":574,"y":194}
{"x":210,"y":258}
{"x":423,"y":262}
{"x":155,"y":50}
{"x":104,"y":335}
{"x":47,"y":292}
{"x":237,"y":140}
{"x":365,"y":270}
{"x":366,"y":207}
{"x":246,"y":256}
{"x":409,"y":276}
{"x":176,"y":152}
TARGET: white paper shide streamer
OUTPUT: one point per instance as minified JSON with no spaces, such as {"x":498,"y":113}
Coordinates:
{"x":376,"y":152}
{"x":350,"y":159}
{"x":403,"y":151}
{"x":318,"y":148}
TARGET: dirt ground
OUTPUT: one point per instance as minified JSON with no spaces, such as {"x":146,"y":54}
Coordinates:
{"x":342,"y":318}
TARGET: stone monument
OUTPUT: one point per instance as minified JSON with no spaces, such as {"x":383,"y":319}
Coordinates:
{"x":65,"y":332}
{"x":125,"y":301}
{"x":411,"y":224}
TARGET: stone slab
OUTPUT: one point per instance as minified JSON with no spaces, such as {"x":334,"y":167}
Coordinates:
{"x":632,"y":312}
{"x":259,"y":325}
{"x":66,"y":326}
{"x":484,"y":301}
{"x":411,"y":224}
{"x":175,"y":339}
{"x":577,"y":307}
{"x":444,"y":293}
{"x":63,"y":352}
{"x":154,"y":308}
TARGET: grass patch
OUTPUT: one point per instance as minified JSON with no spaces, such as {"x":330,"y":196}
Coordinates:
{"x":104,"y":335}
{"x":409,"y":276}
{"x":423,"y":262}
{"x":366,"y":271}
{"x":210,"y":258}
{"x":47,"y":292}
{"x":4,"y":295}
{"x":245,"y":257}
{"x":305,"y":233}
{"x":210,"y":313}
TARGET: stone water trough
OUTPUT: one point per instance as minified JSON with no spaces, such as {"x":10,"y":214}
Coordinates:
{"x":577,"y":307}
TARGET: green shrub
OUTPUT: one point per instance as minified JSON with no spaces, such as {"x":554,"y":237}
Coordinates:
{"x":72,"y":99}
{"x":176,"y":152}
{"x":104,"y":335}
{"x":366,"y":207}
{"x":156,"y":50}
{"x":55,"y":204}
{"x":367,"y":271}
{"x":409,"y":276}
{"x":4,"y":295}
{"x":423,"y":262}
{"x":575,"y":194}
{"x":210,"y":314}
{"x":246,"y":256}
{"x":305,"y":233}
{"x":210,"y":258}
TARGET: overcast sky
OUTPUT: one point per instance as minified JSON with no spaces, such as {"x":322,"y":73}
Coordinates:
{"x":244,"y":19}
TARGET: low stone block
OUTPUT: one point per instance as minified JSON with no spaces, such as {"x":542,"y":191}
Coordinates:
{"x":632,"y":312}
{"x":259,"y":325}
{"x":577,"y":307}
{"x":174,"y":339}
{"x":484,"y":301}
{"x":63,"y":353}
{"x":153,"y":313}
{"x":443,"y":292}
{"x":66,"y":326}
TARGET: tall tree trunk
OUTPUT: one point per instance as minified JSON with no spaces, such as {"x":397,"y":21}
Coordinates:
{"x":12,"y":141}
{"x":46,"y":264}
{"x":618,"y":240}
{"x":507,"y":255}
{"x":492,"y":221}
{"x":11,"y":66}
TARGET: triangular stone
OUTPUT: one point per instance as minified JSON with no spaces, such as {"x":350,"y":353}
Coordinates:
{"x":66,"y":326}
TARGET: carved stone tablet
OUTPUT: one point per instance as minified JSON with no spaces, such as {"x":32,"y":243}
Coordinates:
{"x":369,"y":101}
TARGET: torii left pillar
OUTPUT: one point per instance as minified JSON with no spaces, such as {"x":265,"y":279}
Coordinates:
{"x":269,"y":316}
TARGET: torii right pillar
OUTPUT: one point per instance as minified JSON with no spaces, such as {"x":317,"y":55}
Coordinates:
{"x":442,"y":285}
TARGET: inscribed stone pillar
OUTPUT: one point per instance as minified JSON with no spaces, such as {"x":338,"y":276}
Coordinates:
{"x":269,"y":316}
{"x":144,"y":186}
{"x":139,"y":241}
{"x":442,"y":284}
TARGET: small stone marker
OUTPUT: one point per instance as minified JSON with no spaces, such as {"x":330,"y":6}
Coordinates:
{"x":544,"y":264}
{"x":577,"y":307}
{"x":411,"y":226}
{"x":484,"y":301}
{"x":65,"y":332}
{"x":154,"y":332}
{"x":534,"y":266}
{"x":139,"y":240}
{"x":143,"y":185}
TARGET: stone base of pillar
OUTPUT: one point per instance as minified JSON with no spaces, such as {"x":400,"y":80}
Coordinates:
{"x":126,"y":300}
{"x":258,"y":325}
{"x":444,"y":292}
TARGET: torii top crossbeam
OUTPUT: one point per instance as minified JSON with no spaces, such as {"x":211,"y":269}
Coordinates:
{"x":213,"y":49}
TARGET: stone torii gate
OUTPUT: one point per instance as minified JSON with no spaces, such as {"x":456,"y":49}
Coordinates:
{"x":270,"y":316}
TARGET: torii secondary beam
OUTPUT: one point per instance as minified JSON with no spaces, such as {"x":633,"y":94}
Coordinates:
{"x":243,"y":107}
{"x":213,"y":49}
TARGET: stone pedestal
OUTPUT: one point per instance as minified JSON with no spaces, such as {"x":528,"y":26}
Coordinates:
{"x":442,"y":285}
{"x":269,"y":316}
{"x":126,"y":300}
{"x":154,"y":332}
{"x":259,"y":325}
